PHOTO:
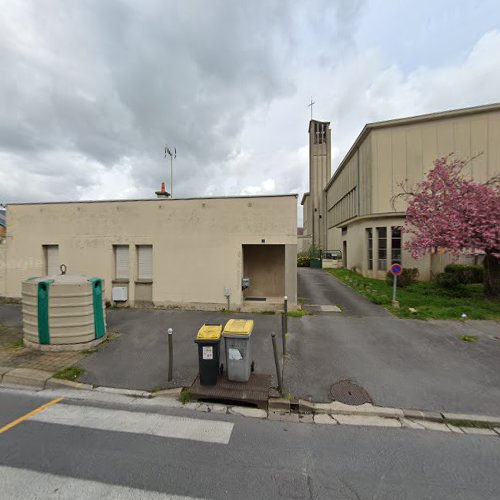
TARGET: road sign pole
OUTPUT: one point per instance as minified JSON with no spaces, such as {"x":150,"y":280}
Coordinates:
{"x":394,"y":287}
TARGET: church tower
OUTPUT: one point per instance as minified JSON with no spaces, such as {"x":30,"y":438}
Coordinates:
{"x":320,"y":166}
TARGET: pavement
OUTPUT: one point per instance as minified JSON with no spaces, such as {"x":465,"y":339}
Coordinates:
{"x":122,"y":447}
{"x":410,"y":364}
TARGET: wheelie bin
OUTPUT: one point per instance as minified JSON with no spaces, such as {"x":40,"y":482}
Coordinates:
{"x":208,"y":340}
{"x":238,"y":345}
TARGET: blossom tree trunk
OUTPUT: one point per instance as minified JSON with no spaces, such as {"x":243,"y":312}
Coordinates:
{"x":492,"y":275}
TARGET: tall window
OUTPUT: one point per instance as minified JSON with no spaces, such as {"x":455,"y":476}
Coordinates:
{"x":369,"y":234}
{"x":51,"y":256}
{"x":121,"y":254}
{"x":145,"y":262}
{"x":396,"y":245}
{"x":382,"y":248}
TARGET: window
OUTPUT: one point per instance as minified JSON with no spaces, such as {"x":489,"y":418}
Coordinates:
{"x":51,"y":255}
{"x":369,"y":234}
{"x":382,"y":248}
{"x":396,"y":245}
{"x":344,"y":231}
{"x":144,"y":262}
{"x":121,"y":262}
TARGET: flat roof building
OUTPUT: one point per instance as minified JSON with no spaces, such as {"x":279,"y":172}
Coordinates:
{"x":191,"y":253}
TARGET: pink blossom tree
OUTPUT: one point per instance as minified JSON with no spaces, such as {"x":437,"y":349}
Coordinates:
{"x":458,"y":215}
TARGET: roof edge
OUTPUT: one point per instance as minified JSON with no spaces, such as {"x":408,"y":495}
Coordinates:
{"x":408,"y":121}
{"x":163,"y":200}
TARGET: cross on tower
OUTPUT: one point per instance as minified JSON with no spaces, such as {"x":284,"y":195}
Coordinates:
{"x":310,"y":105}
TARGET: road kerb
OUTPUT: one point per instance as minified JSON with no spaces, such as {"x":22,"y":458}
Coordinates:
{"x":26,"y":377}
{"x":366,"y":414}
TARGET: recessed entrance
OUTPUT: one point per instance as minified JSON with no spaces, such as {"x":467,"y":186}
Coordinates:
{"x":265,"y":266}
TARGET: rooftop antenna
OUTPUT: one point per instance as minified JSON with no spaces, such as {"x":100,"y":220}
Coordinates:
{"x":310,"y":105}
{"x":173,"y":155}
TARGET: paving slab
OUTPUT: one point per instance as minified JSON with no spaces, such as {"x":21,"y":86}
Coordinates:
{"x":366,"y":420}
{"x":216,"y":408}
{"x":57,"y":382}
{"x":410,"y":424}
{"x":168,"y":393}
{"x":478,"y":431}
{"x":124,"y":392}
{"x":434,"y":426}
{"x":323,"y":418}
{"x":485,"y":419}
{"x":26,"y":377}
{"x":248,"y":412}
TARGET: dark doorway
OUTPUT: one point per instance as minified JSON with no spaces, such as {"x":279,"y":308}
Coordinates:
{"x":265,"y":266}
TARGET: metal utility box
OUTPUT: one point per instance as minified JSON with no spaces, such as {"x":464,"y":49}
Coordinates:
{"x":208,"y":340}
{"x":238,"y":345}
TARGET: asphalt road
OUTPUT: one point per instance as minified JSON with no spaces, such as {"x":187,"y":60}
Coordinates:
{"x":90,"y":449}
{"x":317,"y":287}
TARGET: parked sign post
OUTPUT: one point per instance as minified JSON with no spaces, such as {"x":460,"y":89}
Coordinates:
{"x":396,"y":270}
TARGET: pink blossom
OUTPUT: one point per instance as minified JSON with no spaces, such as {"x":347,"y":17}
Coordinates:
{"x":451,"y":212}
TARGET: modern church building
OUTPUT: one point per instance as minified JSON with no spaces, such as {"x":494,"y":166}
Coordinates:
{"x":353,"y":210}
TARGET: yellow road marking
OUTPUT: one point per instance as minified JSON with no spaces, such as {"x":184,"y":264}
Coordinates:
{"x":30,"y":414}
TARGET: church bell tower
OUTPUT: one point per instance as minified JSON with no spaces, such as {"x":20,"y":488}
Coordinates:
{"x":320,"y":166}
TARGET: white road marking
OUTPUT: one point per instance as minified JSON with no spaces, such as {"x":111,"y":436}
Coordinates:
{"x":21,"y":484}
{"x":154,"y":424}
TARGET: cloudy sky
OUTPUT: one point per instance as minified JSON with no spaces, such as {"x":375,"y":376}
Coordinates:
{"x":92,"y":90}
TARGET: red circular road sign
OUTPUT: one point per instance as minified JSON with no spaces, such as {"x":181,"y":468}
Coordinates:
{"x":396,"y":269}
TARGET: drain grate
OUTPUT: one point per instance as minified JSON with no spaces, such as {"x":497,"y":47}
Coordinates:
{"x":349,"y":393}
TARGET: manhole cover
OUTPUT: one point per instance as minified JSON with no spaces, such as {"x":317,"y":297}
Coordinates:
{"x":349,"y":393}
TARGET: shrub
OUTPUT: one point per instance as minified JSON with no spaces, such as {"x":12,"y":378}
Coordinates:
{"x":464,"y":274}
{"x":447,"y":280}
{"x":406,"y":278}
{"x":303,"y":260}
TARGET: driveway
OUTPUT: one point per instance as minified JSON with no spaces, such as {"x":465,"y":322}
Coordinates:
{"x":316,"y":287}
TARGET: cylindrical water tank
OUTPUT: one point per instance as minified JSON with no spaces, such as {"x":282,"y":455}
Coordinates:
{"x":64,"y":312}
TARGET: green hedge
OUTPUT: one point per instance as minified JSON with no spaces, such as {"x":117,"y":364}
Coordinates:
{"x":465,"y":274}
{"x":406,"y":278}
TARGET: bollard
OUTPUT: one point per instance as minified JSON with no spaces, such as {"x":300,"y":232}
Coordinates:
{"x":170,"y":334}
{"x":277,"y":363}
{"x":286,"y":314}
{"x":283,"y":333}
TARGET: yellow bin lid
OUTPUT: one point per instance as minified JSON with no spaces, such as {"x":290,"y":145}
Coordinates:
{"x":209,"y":332}
{"x":239,"y":327}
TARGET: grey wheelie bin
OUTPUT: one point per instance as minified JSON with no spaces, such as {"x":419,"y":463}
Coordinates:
{"x":238,"y":345}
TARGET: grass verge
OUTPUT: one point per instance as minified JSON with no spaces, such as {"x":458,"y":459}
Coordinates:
{"x":70,"y":373}
{"x":424,"y":300}
{"x":185,"y":396}
{"x":16,"y":346}
{"x":298,"y":313}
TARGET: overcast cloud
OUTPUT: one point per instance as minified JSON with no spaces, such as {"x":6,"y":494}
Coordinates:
{"x":91,"y":91}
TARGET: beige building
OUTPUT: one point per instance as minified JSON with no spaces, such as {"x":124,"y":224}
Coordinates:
{"x":191,"y":253}
{"x":361,"y":220}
